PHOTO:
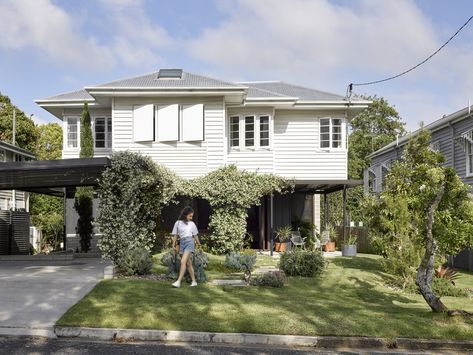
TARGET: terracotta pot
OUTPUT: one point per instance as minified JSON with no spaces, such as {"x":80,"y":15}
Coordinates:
{"x":330,"y":246}
{"x":279,"y":246}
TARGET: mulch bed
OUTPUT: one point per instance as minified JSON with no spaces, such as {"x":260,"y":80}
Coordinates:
{"x":152,"y":277}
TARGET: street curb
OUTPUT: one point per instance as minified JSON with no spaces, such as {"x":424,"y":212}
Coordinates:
{"x":327,"y":342}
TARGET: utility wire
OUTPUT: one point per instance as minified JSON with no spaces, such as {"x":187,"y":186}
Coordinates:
{"x":350,"y":86}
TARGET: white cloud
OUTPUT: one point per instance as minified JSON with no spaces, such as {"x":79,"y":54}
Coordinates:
{"x":51,"y":31}
{"x":59,"y":35}
{"x":326,"y":45}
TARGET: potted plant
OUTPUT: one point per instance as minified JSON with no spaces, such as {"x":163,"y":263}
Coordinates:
{"x":331,"y":234}
{"x":349,"y":248}
{"x":283,"y":234}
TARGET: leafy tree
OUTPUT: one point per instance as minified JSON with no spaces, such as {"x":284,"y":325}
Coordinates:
{"x":25,"y":129}
{"x":49,"y":141}
{"x":423,"y":213}
{"x":371,"y":129}
{"x":231,"y":192}
{"x":83,"y":203}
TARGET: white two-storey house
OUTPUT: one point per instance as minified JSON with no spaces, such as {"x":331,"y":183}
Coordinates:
{"x":195,"y":124}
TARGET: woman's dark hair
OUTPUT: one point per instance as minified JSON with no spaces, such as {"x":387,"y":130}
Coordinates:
{"x":186,"y":211}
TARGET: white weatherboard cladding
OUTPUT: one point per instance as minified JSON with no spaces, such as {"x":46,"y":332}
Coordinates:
{"x":296,"y":148}
{"x":193,"y":122}
{"x":187,"y":159}
{"x":168,"y":123}
{"x":143,"y":123}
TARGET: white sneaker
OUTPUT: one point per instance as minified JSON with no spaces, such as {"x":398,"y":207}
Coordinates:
{"x":176,"y":284}
{"x":194,"y":283}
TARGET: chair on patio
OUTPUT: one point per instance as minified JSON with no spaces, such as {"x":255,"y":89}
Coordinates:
{"x":297,"y":239}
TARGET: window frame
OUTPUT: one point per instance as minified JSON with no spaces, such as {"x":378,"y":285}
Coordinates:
{"x":66,"y":133}
{"x":256,"y":131}
{"x":468,"y":153}
{"x":107,"y":143}
{"x":331,"y":133}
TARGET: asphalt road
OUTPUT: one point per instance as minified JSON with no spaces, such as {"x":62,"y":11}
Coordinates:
{"x":38,"y":346}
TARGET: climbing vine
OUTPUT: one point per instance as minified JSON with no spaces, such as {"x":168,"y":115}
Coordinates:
{"x":231,"y":192}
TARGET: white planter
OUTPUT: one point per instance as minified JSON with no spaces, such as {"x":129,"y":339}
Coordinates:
{"x":349,"y":250}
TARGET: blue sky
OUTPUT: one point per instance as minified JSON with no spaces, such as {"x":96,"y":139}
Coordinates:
{"x":50,"y":46}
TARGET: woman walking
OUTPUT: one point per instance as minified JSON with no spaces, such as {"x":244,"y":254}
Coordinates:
{"x":187,"y":232}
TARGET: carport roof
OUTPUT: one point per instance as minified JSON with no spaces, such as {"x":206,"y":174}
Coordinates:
{"x":325,"y":186}
{"x":51,"y":176}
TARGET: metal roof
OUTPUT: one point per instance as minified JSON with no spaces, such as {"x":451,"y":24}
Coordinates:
{"x":151,"y":80}
{"x":18,"y":150}
{"x":434,"y":126}
{"x":284,"y":89}
{"x":46,"y":176}
{"x":81,"y":95}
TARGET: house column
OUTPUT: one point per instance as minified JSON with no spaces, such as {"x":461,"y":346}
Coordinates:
{"x":316,"y":212}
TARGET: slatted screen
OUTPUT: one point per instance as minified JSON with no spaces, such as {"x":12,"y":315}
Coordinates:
{"x":14,"y":233}
{"x":4,"y":226}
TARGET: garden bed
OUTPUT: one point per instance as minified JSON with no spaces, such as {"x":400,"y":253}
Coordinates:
{"x":350,"y":299}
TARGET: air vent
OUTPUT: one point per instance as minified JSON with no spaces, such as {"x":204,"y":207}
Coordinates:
{"x":170,"y":74}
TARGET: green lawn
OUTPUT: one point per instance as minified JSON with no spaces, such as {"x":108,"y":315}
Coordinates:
{"x":350,"y":299}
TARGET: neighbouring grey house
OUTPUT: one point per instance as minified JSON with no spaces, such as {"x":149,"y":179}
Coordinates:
{"x":14,"y":199}
{"x":452,"y":135}
{"x":14,"y":206}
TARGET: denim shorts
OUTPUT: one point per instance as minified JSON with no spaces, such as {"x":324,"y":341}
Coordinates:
{"x":186,"y":244}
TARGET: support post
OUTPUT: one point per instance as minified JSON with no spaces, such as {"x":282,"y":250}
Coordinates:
{"x":326,"y":211}
{"x":64,"y":202}
{"x":271,"y":234}
{"x":344,"y":213}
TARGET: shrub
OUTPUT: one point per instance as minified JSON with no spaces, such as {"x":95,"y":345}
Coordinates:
{"x":135,"y":261}
{"x":236,"y":261}
{"x":271,"y":279}
{"x":302,"y":263}
{"x":444,"y":287}
{"x":200,"y":261}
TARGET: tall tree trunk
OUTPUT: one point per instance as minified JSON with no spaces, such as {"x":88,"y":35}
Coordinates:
{"x":425,"y":272}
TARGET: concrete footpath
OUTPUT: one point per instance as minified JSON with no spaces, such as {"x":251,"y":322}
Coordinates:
{"x":322,"y":342}
{"x":34,"y":294}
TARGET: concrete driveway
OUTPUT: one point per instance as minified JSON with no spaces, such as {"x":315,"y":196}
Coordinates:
{"x":35,"y":294}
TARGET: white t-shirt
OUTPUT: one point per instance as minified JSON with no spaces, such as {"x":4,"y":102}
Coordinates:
{"x":184,"y":230}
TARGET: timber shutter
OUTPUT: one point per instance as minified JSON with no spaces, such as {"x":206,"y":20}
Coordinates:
{"x":143,"y":123}
{"x":193,"y":122}
{"x":168,"y":123}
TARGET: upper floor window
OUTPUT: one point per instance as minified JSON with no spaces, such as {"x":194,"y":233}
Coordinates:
{"x":72,"y":133}
{"x":249,"y":131}
{"x":264,"y":131}
{"x":103,"y":132}
{"x":331,"y":134}
{"x":469,"y":158}
{"x":234,"y":131}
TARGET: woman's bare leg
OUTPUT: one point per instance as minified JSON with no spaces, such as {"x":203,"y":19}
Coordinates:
{"x":190,"y":268}
{"x":182,"y":270}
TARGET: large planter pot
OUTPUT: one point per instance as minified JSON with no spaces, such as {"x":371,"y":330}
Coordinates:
{"x":330,"y":246}
{"x":349,"y":250}
{"x":280,"y":246}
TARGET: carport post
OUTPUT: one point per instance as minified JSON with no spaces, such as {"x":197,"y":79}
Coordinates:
{"x":344,"y":212}
{"x":326,"y":211}
{"x":271,"y":236}
{"x":64,"y":200}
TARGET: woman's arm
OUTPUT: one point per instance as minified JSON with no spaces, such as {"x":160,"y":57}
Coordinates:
{"x":174,"y":239}
{"x":197,"y":241}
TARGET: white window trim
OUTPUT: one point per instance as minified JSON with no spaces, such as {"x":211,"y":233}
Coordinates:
{"x":241,"y":127}
{"x":107,"y":117}
{"x":467,"y":166}
{"x":64,"y":134}
{"x":343,"y":129}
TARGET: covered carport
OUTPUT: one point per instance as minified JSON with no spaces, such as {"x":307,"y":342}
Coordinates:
{"x":52,"y":177}
{"x":316,"y":187}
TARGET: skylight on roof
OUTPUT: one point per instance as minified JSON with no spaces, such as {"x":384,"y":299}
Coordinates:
{"x":170,"y":74}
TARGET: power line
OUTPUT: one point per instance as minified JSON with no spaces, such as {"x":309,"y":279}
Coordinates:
{"x":350,"y":86}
